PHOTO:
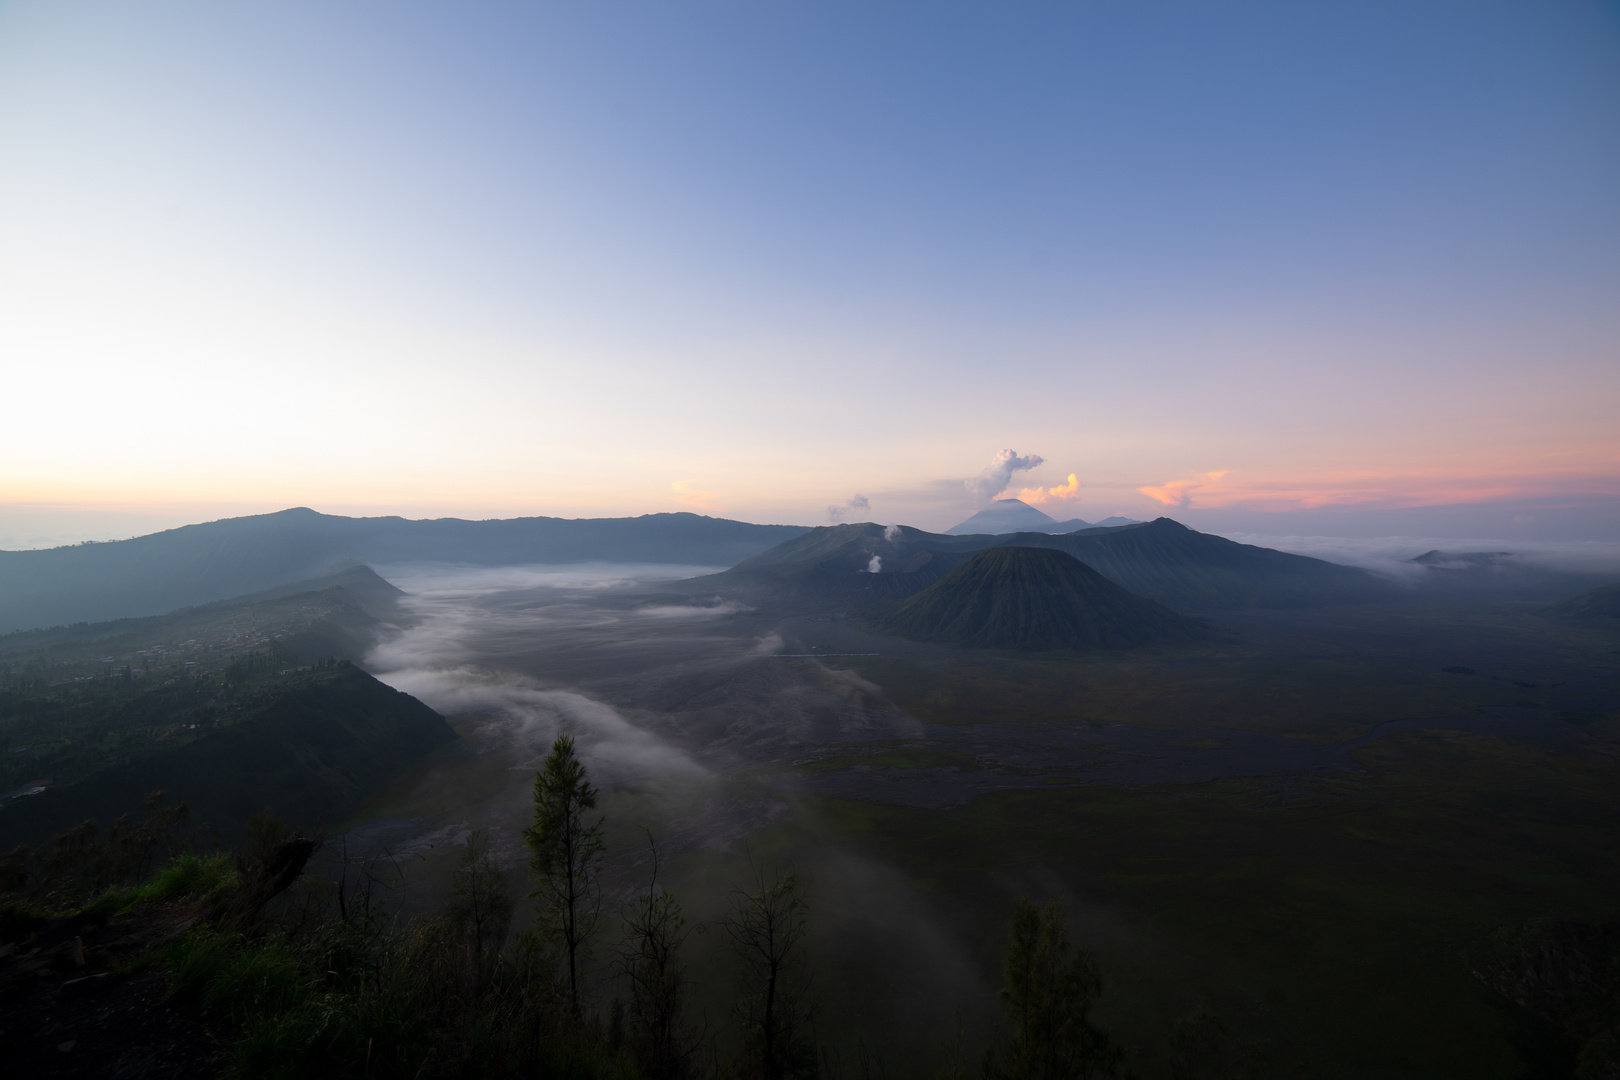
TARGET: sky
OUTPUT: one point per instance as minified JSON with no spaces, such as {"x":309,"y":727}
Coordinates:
{"x":1342,"y":269}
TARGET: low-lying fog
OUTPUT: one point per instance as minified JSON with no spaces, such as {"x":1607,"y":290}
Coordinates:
{"x":477,"y":637}
{"x":682,"y":709}
{"x":652,"y":684}
{"x":693,"y":713}
{"x":695,"y":708}
{"x":1392,"y":556}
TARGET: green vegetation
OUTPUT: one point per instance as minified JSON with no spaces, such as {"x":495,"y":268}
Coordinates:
{"x":112,"y":700}
{"x":1242,"y":928}
{"x":331,"y":615}
{"x":1030,"y":599}
{"x":311,"y":741}
{"x":306,"y":975}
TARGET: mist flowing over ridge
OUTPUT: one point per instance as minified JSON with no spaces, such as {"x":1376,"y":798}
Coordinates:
{"x":198,"y":564}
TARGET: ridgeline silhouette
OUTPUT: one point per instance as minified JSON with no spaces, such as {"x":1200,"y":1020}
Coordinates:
{"x":1031,"y":598}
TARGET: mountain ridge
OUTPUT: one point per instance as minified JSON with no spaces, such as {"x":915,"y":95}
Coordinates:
{"x":1160,"y":560}
{"x":1599,"y":606}
{"x":200,"y":564}
{"x":1029,"y":598}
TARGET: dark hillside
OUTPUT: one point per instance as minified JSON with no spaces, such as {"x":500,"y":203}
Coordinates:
{"x":1162,"y":560}
{"x":199,"y":564}
{"x":1500,"y":575}
{"x":1030,"y":598}
{"x":1600,"y":605}
{"x":308,"y":745}
{"x":1186,"y":569}
{"x":333,"y":616}
{"x":833,"y":566}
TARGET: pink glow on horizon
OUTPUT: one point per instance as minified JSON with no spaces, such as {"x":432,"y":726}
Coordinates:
{"x":1375,"y":489}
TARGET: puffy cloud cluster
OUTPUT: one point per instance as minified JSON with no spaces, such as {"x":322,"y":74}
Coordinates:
{"x":999,"y":473}
{"x":1061,"y":493}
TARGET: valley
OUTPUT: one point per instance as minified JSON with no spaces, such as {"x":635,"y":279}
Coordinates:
{"x":1312,"y":820}
{"x":1313,"y":776}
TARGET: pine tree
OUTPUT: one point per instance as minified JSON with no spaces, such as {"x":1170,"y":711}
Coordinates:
{"x":565,"y":851}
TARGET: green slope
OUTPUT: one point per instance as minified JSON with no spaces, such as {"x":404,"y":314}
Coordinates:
{"x":335,"y":616}
{"x":1030,"y":598}
{"x":308,"y":744}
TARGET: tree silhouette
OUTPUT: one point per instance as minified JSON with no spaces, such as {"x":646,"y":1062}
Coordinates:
{"x":480,"y":904}
{"x":650,"y":961}
{"x":767,"y":928}
{"x":1048,"y":996}
{"x":565,"y":851}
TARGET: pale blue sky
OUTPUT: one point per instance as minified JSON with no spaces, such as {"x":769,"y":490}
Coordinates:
{"x":493,"y":259}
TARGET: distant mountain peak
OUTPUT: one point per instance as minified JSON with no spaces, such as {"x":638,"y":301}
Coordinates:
{"x":1011,"y":516}
{"x":1463,"y":560}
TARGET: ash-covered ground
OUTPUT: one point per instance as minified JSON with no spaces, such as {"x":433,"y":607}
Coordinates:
{"x":714,"y":709}
{"x":735,"y":734}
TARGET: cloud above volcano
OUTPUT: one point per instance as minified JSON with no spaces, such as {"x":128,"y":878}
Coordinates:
{"x":999,"y":473}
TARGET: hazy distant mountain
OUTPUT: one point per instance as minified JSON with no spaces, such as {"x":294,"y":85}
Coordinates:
{"x":1011,"y":516}
{"x":1499,"y":575}
{"x":1030,"y":598}
{"x":333,"y":616}
{"x":1164,"y":560}
{"x":1600,"y":605}
{"x":1464,"y":560}
{"x":198,"y":564}
{"x":1161,"y":560}
{"x":833,"y":565}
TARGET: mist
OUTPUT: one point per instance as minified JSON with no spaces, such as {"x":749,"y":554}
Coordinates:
{"x":1391,"y":556}
{"x":460,"y":618}
{"x":676,"y":703}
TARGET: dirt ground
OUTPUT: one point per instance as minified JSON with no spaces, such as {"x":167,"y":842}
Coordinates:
{"x":77,"y":1000}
